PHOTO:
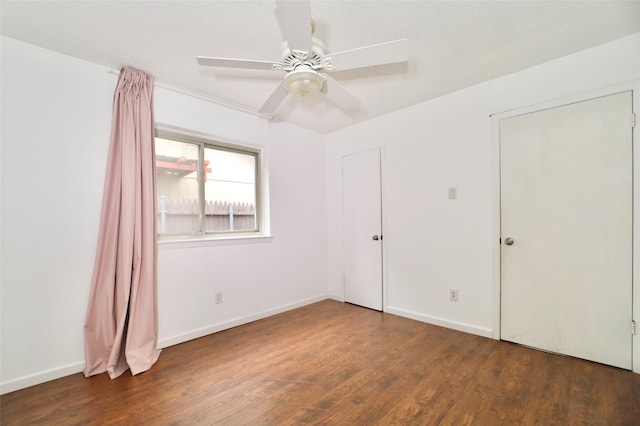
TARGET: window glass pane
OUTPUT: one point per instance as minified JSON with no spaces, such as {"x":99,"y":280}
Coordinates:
{"x":230,"y":190}
{"x":177,"y":183}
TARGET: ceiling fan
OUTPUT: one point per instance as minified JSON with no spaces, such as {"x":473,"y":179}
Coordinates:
{"x":303,"y":57}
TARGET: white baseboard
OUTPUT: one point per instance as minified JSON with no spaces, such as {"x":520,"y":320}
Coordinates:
{"x":40,"y":377}
{"x":455,"y":325}
{"x":77,"y":367}
{"x":214,"y":328}
{"x":336,"y":297}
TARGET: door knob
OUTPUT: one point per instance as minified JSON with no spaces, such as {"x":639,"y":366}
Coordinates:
{"x":376,"y":237}
{"x":508,"y":241}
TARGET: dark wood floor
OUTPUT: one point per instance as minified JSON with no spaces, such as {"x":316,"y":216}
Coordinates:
{"x":338,"y":364}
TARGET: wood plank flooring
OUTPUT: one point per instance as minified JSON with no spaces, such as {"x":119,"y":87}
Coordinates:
{"x":337,"y":364}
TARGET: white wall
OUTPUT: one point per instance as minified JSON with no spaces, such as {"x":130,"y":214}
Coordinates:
{"x":431,"y":243}
{"x":258,"y":277}
{"x":56,"y":117}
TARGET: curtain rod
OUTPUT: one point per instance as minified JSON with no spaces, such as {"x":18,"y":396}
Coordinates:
{"x":207,"y":98}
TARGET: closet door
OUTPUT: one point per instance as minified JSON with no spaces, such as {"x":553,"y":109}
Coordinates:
{"x":566,"y":229}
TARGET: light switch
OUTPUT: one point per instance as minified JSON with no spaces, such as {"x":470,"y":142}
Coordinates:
{"x":453,"y":193}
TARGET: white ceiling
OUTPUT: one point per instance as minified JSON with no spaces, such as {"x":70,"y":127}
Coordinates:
{"x":452,"y":44}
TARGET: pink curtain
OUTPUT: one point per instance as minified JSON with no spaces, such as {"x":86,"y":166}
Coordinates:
{"x":121,"y":330}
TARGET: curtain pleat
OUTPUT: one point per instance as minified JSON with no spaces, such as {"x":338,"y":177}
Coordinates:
{"x":121,"y":328}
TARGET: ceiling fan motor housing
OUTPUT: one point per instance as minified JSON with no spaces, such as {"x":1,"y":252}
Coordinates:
{"x":294,"y":58}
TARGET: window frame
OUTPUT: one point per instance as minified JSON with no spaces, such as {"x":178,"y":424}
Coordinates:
{"x":206,"y":141}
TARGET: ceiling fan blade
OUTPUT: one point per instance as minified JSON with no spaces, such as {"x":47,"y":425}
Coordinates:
{"x":367,"y":56}
{"x":273,"y":102}
{"x":338,"y":94}
{"x":238,"y":63}
{"x":295,"y":23}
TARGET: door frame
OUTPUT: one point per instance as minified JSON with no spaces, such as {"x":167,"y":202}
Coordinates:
{"x":634,"y":87}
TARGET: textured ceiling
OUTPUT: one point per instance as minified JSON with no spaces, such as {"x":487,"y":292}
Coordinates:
{"x":452,"y":44}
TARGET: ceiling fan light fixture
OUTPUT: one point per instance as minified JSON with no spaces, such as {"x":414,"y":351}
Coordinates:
{"x":303,"y":81}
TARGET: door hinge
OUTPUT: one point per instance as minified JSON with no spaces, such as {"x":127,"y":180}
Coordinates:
{"x":633,"y":120}
{"x":633,"y":327}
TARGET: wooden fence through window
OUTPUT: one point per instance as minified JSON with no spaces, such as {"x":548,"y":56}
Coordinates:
{"x":182,"y":216}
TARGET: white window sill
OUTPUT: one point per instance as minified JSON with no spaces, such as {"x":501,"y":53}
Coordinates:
{"x":170,"y":243}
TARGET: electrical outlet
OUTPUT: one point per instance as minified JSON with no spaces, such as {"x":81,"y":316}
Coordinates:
{"x":453,"y":294}
{"x":218,"y":298}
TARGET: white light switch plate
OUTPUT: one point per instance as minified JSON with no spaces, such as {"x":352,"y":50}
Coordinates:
{"x":453,"y":193}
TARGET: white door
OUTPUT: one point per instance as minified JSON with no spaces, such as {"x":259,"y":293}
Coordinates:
{"x":362,"y":229}
{"x":566,"y":206}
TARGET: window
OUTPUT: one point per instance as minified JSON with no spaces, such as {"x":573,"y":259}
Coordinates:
{"x":205,"y":187}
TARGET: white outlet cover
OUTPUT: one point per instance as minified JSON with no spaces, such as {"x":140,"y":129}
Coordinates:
{"x":453,"y":294}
